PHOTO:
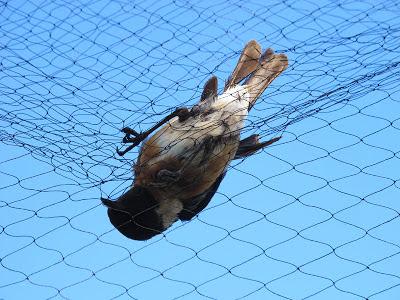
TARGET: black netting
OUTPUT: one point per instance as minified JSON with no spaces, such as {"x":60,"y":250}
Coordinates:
{"x":313,"y":216}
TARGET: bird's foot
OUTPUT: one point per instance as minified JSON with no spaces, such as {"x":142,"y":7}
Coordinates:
{"x":168,"y":176}
{"x":165,"y":178}
{"x":137,"y":137}
{"x":135,"y":140}
{"x":183,"y":114}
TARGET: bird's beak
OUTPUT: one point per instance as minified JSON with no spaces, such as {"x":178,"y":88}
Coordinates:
{"x":110,"y":204}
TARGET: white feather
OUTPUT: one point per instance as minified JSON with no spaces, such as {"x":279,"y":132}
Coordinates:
{"x":227,"y":115}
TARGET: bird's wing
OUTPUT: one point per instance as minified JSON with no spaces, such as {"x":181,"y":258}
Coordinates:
{"x":195,"y":205}
{"x":210,"y":90}
{"x":247,"y":147}
{"x":251,"y":145}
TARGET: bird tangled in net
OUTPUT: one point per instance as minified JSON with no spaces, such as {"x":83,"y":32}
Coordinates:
{"x":181,"y":166}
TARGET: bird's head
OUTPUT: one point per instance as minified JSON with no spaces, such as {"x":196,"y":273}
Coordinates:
{"x":134,"y":214}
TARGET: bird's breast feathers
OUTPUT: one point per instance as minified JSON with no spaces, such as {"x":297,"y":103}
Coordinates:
{"x":200,"y":147}
{"x":224,"y":118}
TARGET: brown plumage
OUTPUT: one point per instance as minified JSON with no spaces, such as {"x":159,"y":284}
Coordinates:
{"x":180,"y":167}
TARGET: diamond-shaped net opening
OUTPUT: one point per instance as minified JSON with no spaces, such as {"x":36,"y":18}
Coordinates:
{"x":314,"y":216}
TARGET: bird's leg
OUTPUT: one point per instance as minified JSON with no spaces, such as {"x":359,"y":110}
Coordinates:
{"x":135,"y":140}
{"x":182,"y":113}
{"x":165,"y":178}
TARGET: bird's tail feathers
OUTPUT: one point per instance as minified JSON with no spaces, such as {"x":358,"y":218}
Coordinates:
{"x":247,"y":64}
{"x":270,"y":66}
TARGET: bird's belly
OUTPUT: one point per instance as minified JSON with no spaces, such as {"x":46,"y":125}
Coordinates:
{"x":199,"y":149}
{"x":198,"y":161}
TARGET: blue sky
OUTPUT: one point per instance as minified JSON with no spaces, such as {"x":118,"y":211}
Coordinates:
{"x":315,"y":216}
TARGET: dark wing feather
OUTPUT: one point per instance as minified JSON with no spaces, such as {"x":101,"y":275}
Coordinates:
{"x":198,"y":203}
{"x":210,"y":90}
{"x":251,"y":145}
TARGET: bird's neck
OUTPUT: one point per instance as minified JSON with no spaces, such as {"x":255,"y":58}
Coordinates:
{"x":168,"y":211}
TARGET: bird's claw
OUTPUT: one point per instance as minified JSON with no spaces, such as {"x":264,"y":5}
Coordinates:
{"x":122,"y":153}
{"x":168,"y":176}
{"x":183,"y":114}
{"x":136,"y":139}
{"x":119,"y":152}
{"x":129,"y":131}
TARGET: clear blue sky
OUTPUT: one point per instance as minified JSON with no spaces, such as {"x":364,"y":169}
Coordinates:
{"x":315,"y":216}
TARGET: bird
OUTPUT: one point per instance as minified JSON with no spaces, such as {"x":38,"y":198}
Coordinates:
{"x":184,"y":157}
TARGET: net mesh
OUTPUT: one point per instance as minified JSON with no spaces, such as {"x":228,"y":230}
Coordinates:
{"x":313,"y":216}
